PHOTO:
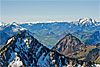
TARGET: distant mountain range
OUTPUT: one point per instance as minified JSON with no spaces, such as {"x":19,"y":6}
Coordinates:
{"x":83,"y":22}
{"x":82,"y":26}
{"x":23,"y":50}
{"x":50,"y":32}
{"x":93,"y":39}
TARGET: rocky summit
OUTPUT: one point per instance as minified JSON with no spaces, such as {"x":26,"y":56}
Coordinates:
{"x":68,"y":44}
{"x":23,"y":50}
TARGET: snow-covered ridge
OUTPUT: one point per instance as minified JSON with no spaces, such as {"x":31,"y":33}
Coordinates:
{"x":85,"y":22}
{"x":14,"y":27}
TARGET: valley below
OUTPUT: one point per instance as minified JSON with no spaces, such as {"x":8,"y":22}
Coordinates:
{"x":54,"y":44}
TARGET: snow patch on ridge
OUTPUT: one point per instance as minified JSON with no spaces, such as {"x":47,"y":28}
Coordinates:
{"x":16,"y":62}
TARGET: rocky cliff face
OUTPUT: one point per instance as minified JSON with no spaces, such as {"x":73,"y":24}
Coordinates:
{"x":24,"y":50}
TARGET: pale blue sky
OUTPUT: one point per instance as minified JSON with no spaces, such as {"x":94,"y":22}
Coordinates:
{"x":48,"y":10}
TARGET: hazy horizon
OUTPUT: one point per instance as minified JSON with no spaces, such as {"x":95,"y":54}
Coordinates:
{"x":41,"y":10}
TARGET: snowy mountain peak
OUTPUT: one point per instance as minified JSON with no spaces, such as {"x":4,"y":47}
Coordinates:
{"x":14,"y":27}
{"x":21,"y":35}
{"x":85,"y":22}
{"x":14,"y":23}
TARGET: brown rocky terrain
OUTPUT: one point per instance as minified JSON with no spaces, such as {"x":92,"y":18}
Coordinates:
{"x":72,"y":47}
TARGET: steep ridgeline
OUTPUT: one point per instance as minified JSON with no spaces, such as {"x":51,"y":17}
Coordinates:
{"x":24,"y":50}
